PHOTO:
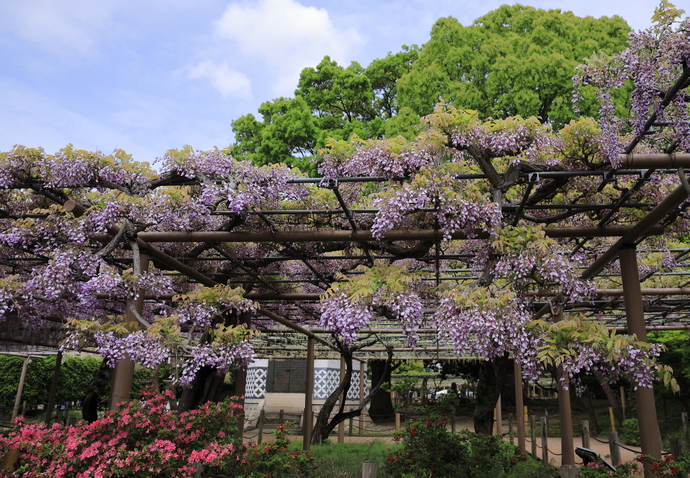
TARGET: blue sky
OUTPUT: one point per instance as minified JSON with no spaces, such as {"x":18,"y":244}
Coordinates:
{"x":149,"y":75}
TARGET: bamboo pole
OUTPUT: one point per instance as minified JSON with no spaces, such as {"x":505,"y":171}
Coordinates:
{"x":20,"y":388}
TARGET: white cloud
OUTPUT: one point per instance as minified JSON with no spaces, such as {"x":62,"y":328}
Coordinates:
{"x":286,"y":35}
{"x":59,"y":26}
{"x":227,"y":81}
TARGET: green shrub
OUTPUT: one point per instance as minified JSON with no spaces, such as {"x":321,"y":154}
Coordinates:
{"x":630,"y":432}
{"x":431,"y":451}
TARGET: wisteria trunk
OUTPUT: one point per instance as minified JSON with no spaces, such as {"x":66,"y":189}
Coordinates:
{"x":203,"y":389}
{"x":614,"y":402}
{"x":381,"y":407}
{"x":491,"y":378}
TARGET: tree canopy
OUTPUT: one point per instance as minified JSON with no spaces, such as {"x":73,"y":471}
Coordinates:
{"x":515,"y":60}
{"x":512,"y":61}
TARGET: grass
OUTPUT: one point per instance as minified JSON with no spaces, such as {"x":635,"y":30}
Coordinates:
{"x":344,"y":460}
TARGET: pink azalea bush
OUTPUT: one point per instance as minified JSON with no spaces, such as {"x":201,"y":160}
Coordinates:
{"x":141,"y":439}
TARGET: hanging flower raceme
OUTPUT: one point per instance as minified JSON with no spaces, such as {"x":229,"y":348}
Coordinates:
{"x":390,"y":290}
{"x":193,"y":336}
{"x":486,"y":323}
{"x":454,"y":205}
{"x":578,"y":344}
{"x":238,"y":185}
{"x":654,"y":61}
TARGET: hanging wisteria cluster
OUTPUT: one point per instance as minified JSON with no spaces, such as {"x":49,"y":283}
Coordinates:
{"x":576,"y":345}
{"x":656,"y":59}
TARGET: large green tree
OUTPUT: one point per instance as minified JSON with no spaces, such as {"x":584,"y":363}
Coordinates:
{"x":515,"y":60}
{"x":331,"y":102}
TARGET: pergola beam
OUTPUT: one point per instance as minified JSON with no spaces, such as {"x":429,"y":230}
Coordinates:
{"x":364,"y":236}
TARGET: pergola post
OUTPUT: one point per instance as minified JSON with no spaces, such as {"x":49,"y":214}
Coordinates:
{"x":499,"y":417}
{"x":341,"y":404}
{"x":53,"y":388}
{"x":362,"y":383}
{"x":241,"y":379}
{"x":519,"y":406}
{"x":309,"y":396}
{"x":650,"y":438}
{"x":567,"y":445}
{"x":123,"y":375}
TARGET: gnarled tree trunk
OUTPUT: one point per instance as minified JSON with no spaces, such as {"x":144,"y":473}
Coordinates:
{"x":381,"y":407}
{"x":491,"y":378}
{"x":323,"y":427}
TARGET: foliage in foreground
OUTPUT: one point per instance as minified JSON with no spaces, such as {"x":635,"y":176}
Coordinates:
{"x":144,"y":439}
{"x":430,"y":450}
{"x":666,"y":467}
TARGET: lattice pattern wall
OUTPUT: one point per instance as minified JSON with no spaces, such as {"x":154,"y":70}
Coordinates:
{"x":326,"y":379}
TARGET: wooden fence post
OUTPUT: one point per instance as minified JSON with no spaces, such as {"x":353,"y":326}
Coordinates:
{"x":615,"y":449}
{"x":533,"y":434}
{"x":351,"y":420}
{"x":369,"y":469}
{"x":569,"y":471}
{"x":585,"y":433}
{"x":397,"y":422}
{"x":544,"y":441}
{"x":676,"y":445}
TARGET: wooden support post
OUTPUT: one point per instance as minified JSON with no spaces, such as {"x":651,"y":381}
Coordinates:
{"x":341,"y":405}
{"x":585,"y":433}
{"x":20,"y":388}
{"x":452,"y":423}
{"x":53,"y":388}
{"x":510,"y":429}
{"x":499,"y":417}
{"x":615,"y":448}
{"x":676,"y":445}
{"x":519,"y":404}
{"x":533,"y":435}
{"x":567,"y":446}
{"x":370,"y":469}
{"x":309,"y":397}
{"x":10,"y":459}
{"x":123,"y":375}
{"x":623,"y":402}
{"x":281,"y":416}
{"x":241,"y":380}
{"x":650,"y":438}
{"x":362,"y":383}
{"x":397,"y":422}
{"x":544,"y":441}
{"x":612,"y":419}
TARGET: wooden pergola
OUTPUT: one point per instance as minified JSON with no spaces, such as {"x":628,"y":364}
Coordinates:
{"x":286,"y":301}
